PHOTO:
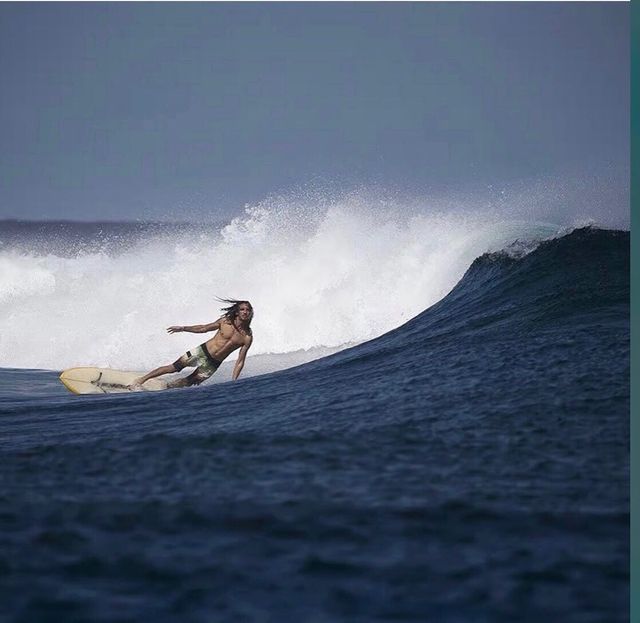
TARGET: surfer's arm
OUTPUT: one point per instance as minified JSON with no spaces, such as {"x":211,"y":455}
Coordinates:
{"x":196,"y":328}
{"x":241,"y":357}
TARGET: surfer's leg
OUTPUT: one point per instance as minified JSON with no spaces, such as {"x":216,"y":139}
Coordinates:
{"x":195,"y":378}
{"x":157,"y":372}
{"x":206,"y":366}
{"x":176,"y":366}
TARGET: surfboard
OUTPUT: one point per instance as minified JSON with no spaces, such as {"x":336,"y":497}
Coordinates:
{"x":105,"y":381}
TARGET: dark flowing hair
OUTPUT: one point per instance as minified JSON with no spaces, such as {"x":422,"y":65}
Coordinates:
{"x":231,"y":312}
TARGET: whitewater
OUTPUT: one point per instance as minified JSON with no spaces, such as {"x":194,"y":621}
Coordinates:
{"x":322,"y":274}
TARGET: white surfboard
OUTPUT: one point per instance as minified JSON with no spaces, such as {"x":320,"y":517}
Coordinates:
{"x":105,"y":381}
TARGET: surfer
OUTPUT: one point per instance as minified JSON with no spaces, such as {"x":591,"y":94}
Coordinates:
{"x":233,"y":332}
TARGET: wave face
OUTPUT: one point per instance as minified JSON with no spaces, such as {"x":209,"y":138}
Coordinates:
{"x":521,"y":327}
{"x":471,"y":464}
{"x":320,"y":276}
{"x":578,"y":279}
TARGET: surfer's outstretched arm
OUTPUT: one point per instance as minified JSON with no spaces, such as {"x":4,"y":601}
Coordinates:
{"x":196,"y":328}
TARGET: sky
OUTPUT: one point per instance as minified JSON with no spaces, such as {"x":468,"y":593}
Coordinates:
{"x":185,"y":111}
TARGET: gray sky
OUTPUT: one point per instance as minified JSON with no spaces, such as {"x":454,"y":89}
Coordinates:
{"x":169,"y":110}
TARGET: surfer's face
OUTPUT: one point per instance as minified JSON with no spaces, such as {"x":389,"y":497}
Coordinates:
{"x":244,"y":312}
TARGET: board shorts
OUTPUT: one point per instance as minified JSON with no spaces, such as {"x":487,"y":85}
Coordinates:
{"x":200,"y":357}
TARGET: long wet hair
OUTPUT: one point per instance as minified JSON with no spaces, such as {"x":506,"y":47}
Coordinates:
{"x":231,"y":312}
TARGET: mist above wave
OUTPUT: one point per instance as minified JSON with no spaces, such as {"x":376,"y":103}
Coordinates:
{"x":320,"y":274}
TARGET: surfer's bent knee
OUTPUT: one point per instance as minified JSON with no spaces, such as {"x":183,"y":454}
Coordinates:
{"x":197,"y":377}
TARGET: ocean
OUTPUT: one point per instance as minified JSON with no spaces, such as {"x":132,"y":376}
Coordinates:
{"x":432,"y":424}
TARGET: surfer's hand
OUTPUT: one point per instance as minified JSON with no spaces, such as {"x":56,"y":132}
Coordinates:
{"x":175,"y":329}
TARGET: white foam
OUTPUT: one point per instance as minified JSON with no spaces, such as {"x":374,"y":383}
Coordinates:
{"x":320,"y":275}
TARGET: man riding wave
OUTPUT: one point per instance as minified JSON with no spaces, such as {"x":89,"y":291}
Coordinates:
{"x":233,"y":333}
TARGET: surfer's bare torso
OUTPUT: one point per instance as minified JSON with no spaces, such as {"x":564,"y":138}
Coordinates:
{"x":228,"y":338}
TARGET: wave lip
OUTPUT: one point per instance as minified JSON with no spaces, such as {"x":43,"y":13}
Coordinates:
{"x":580,"y":273}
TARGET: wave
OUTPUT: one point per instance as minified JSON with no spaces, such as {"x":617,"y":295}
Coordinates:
{"x":580,"y":279}
{"x":320,"y":275}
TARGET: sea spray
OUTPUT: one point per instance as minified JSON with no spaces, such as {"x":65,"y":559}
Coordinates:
{"x":320,"y":275}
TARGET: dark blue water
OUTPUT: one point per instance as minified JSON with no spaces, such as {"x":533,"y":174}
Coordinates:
{"x":471,"y":465}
